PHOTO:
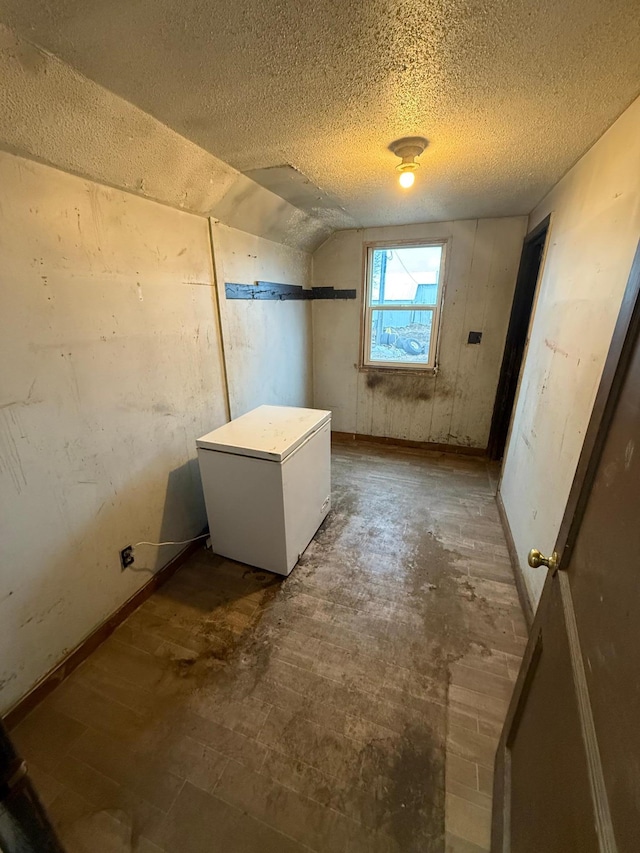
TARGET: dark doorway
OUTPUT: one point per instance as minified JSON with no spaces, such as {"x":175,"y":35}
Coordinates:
{"x":516,"y":337}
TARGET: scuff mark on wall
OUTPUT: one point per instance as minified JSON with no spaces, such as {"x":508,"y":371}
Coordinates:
{"x":38,"y":618}
{"x":628,"y":454}
{"x":73,"y":376}
{"x":553,"y":346}
{"x":27,"y":401}
{"x":594,"y":233}
{"x":610,"y":472}
{"x":525,"y":439}
{"x":10,"y":459}
{"x":5,"y":681}
{"x":93,"y":466}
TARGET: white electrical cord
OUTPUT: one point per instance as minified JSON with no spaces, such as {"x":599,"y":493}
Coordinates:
{"x":183,"y":542}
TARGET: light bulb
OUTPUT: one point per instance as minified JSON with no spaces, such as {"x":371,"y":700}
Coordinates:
{"x":406,"y":179}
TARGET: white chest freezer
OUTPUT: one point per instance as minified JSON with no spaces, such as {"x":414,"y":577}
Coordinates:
{"x":266,"y":478}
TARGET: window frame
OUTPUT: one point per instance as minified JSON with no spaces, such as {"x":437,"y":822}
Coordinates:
{"x":366,"y":363}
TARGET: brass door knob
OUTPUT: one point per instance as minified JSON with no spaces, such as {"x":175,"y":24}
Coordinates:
{"x":536,"y":559}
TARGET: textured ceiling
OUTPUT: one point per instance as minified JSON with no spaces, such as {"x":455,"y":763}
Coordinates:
{"x":509,"y":94}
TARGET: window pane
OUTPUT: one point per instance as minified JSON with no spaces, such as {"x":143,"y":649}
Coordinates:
{"x":402,"y":336}
{"x":406,"y":275}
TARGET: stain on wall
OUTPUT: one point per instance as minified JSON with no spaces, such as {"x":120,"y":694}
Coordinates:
{"x":110,"y":349}
{"x":594,"y":232}
{"x":399,"y":386}
{"x":454,"y":406}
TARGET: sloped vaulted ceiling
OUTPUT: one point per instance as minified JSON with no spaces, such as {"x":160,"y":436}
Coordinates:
{"x":305,"y":95}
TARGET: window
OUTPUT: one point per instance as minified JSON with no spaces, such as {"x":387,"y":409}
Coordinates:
{"x":402,"y":305}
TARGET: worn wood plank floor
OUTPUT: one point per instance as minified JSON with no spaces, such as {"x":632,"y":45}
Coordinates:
{"x":354,"y":706}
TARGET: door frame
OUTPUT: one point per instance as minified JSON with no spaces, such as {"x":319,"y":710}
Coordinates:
{"x":515,"y":345}
{"x":626,"y":336}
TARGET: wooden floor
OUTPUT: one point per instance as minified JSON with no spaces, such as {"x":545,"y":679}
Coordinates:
{"x":354,"y":706}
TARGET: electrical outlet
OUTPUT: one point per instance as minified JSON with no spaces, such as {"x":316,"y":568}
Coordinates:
{"x":126,"y":557}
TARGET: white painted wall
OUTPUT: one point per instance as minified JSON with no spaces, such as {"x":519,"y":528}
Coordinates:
{"x":111,"y":369}
{"x":594,"y":233}
{"x":268,"y":343}
{"x":455,"y":406}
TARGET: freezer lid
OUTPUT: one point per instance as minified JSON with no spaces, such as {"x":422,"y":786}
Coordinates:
{"x":268,"y":432}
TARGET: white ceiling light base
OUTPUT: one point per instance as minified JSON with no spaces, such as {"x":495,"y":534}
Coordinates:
{"x":408,"y":148}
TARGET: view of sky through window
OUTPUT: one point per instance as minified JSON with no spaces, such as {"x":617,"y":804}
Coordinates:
{"x":397,"y":275}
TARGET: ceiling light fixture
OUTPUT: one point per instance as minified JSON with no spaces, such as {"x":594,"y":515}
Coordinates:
{"x":408,"y":148}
